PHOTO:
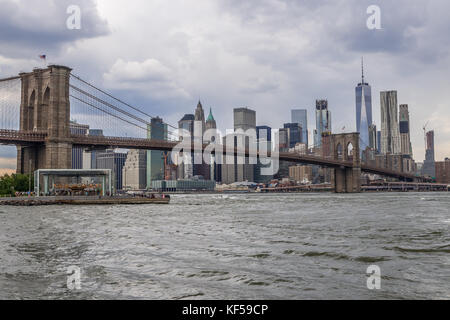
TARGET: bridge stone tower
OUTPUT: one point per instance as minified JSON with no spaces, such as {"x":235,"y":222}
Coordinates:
{"x":345,"y":147}
{"x":45,"y":107}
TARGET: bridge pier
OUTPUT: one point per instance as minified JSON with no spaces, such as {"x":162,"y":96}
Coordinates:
{"x":58,"y":155}
{"x":48,"y":156}
{"x":347,"y":180}
{"x":28,"y":159}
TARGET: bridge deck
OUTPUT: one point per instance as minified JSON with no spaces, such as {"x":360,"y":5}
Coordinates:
{"x":21,"y":137}
{"x":16,"y":137}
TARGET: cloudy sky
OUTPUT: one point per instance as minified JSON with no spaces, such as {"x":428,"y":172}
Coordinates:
{"x":269,"y":55}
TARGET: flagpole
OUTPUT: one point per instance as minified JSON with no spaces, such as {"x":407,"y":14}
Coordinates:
{"x":43,"y":57}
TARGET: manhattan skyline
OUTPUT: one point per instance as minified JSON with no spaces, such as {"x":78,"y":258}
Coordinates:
{"x":231,"y":55}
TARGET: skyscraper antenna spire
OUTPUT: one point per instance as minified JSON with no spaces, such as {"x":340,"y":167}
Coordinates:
{"x":362,"y":69}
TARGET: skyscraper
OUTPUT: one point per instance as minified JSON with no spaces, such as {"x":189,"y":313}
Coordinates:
{"x":363,"y":110}
{"x":323,"y":121}
{"x":187,"y":123}
{"x":300,"y":116}
{"x":429,"y":168}
{"x":186,"y":126}
{"x":295,"y":133}
{"x":200,"y":169}
{"x":244,"y":119}
{"x":373,"y":137}
{"x":211,"y":122}
{"x":113,"y":160}
{"x":283,"y":139}
{"x":215,"y":173}
{"x":390,"y":133}
{"x":264,"y":140}
{"x":134,"y":171}
{"x":90,"y":156}
{"x":264,"y":133}
{"x":405,"y":139}
{"x":200,"y":116}
{"x":443,"y":171}
{"x":77,"y":152}
{"x":157,"y":130}
{"x":379,"y":141}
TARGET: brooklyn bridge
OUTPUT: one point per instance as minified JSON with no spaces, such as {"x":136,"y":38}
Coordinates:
{"x":37,"y":108}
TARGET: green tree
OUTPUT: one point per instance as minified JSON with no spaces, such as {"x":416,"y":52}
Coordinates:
{"x":6,"y":182}
{"x":9,"y":184}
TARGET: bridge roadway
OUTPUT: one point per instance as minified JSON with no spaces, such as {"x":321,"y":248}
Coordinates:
{"x":10,"y":137}
{"x":102,"y":142}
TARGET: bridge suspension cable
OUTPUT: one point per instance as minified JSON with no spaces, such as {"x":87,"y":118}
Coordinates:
{"x":109,"y":105}
{"x":109,"y":113}
{"x":10,"y":91}
{"x":118,"y":100}
{"x":92,"y":105}
{"x":10,"y":78}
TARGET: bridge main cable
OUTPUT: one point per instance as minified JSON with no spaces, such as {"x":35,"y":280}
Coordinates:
{"x":109,"y":113}
{"x":112,"y":97}
{"x":112,"y":107}
{"x":10,"y":78}
{"x":108,"y":105}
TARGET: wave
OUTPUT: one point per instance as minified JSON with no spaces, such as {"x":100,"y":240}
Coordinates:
{"x":441,"y":249}
{"x":339,"y":256}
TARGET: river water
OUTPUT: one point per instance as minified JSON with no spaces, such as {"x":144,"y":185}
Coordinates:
{"x":254,"y":246}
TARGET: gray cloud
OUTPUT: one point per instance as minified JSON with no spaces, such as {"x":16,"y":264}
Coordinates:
{"x":270,"y":55}
{"x":27,"y":27}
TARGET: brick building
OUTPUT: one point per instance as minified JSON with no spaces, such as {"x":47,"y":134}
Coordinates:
{"x":443,"y":171}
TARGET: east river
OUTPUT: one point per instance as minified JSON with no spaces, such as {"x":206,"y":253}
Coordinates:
{"x":235,"y":246}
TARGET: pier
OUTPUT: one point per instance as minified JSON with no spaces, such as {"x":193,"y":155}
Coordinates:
{"x":46,"y":201}
{"x":404,"y":187}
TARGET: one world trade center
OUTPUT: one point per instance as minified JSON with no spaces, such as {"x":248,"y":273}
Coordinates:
{"x":363,"y":110}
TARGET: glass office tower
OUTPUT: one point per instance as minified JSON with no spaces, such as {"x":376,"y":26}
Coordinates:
{"x":300,"y":116}
{"x":295,"y":133}
{"x":157,"y":130}
{"x":323,"y":122}
{"x":363,"y":111}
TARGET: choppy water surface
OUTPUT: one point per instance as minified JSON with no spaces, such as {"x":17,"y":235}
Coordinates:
{"x":296,"y":246}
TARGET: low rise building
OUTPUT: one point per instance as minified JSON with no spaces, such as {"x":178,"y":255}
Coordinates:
{"x":135,"y":170}
{"x":114,"y":161}
{"x":443,"y":171}
{"x":301,"y":173}
{"x":183,"y":185}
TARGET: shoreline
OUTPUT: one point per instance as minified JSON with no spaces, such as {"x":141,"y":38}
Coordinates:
{"x":48,"y":201}
{"x":117,"y":200}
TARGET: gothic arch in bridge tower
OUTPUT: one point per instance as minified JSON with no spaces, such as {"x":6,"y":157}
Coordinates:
{"x":44,"y":109}
{"x":339,"y":154}
{"x":30,"y":111}
{"x":349,"y":152}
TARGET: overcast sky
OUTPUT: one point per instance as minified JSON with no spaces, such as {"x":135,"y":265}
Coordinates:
{"x":269,"y":55}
